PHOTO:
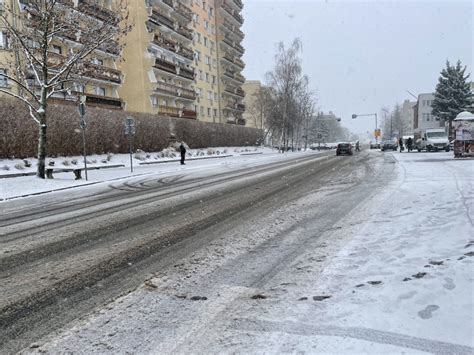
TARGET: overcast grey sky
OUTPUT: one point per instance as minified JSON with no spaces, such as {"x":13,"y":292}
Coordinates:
{"x":358,"y":55}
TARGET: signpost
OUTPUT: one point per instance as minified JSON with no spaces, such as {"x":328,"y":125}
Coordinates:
{"x":82,"y":112}
{"x":130,"y":132}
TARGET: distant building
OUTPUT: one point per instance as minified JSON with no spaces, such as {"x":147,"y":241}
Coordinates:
{"x":408,"y":116}
{"x":423,"y":116}
{"x":252,"y":116}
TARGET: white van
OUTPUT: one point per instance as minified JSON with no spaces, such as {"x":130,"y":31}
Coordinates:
{"x":432,"y":139}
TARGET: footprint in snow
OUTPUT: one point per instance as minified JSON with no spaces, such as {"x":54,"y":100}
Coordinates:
{"x":427,"y":313}
{"x":449,"y":285}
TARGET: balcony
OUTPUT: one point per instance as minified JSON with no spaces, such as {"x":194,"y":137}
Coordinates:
{"x":187,"y":94}
{"x":240,"y":107}
{"x":184,"y":11}
{"x":234,"y":14}
{"x":161,"y":19}
{"x":87,"y":69}
{"x":234,"y":45}
{"x":168,"y":111}
{"x":165,"y":65}
{"x":239,"y":3}
{"x":239,"y":77}
{"x":106,"y":102}
{"x":94,"y":10}
{"x":240,"y":92}
{"x":232,"y":29}
{"x":239,"y":62}
{"x":163,"y":42}
{"x":185,"y":52}
{"x":101,"y":72}
{"x":187,"y":73}
{"x":191,"y":114}
{"x":241,"y":121}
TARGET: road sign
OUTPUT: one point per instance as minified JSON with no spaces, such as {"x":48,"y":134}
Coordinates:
{"x":377,"y":132}
{"x":130,"y":126}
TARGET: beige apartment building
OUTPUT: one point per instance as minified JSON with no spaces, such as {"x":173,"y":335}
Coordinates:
{"x":252,"y":115}
{"x":182,"y":58}
{"x":100,"y":78}
{"x":205,"y":61}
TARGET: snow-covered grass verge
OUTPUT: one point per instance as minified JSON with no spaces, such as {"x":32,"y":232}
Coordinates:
{"x":20,"y":166}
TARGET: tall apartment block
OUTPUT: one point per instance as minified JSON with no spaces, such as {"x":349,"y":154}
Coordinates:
{"x":182,"y":58}
{"x":157,"y":59}
{"x":99,"y":80}
{"x":229,"y":53}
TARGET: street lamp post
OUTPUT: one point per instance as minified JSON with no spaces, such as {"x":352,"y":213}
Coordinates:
{"x":369,"y":114}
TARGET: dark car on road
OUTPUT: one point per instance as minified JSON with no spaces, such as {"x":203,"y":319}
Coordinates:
{"x":344,"y":148}
{"x":388,"y":145}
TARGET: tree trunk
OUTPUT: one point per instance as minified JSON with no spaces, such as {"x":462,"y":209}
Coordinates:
{"x":42,"y":147}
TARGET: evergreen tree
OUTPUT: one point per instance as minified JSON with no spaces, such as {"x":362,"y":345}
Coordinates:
{"x":452,"y":93}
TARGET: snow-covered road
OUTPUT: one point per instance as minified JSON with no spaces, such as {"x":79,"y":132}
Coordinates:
{"x":397,"y":274}
{"x":373,"y":258}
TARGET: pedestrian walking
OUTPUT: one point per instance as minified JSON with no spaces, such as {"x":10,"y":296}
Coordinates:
{"x":182,"y":150}
{"x":400,"y":143}
{"x":357,"y":147}
{"x":409,"y":144}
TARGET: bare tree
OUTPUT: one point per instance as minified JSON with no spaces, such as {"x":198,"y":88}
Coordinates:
{"x":35,"y":29}
{"x":290,"y":93}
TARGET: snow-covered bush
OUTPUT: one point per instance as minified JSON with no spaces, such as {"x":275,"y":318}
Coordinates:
{"x":210,"y":151}
{"x":109,"y":156}
{"x":27,"y":163}
{"x":104,"y":161}
{"x":51,"y":163}
{"x":74,"y":161}
{"x":169,"y":153}
{"x":66,"y":162}
{"x":140,"y":155}
{"x":19,"y":166}
{"x":5,"y":167}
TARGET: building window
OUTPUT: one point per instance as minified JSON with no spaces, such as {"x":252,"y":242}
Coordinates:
{"x":213,"y":79}
{"x":3,"y":79}
{"x":3,"y":41}
{"x":201,"y":76}
{"x":80,"y":87}
{"x":205,"y":42}
{"x":207,"y":77}
{"x":209,"y":111}
{"x":100,"y":91}
{"x":216,"y":96}
{"x":154,"y":101}
{"x":201,"y":110}
{"x":215,"y":112}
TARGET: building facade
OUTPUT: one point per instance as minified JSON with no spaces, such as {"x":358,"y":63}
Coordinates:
{"x":182,"y":58}
{"x":423,"y":116}
{"x":253,"y":116}
{"x":408,"y":117}
{"x":100,"y":77}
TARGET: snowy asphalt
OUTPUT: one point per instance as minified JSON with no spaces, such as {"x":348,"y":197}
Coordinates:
{"x":191,"y":256}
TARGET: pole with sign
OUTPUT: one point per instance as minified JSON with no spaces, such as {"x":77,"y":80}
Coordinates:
{"x":82,"y":113}
{"x":130,"y":132}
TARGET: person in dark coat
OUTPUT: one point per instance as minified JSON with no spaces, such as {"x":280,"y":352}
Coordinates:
{"x":182,"y":150}
{"x":409,"y":144}
{"x":400,"y":144}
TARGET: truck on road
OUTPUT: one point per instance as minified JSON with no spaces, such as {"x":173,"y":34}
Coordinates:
{"x":431,"y":139}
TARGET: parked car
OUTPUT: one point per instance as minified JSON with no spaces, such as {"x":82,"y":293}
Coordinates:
{"x":344,"y":148}
{"x":374,"y":145}
{"x":386,"y":145}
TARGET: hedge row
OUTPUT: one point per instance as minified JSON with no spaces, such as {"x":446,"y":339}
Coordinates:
{"x":105,"y":131}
